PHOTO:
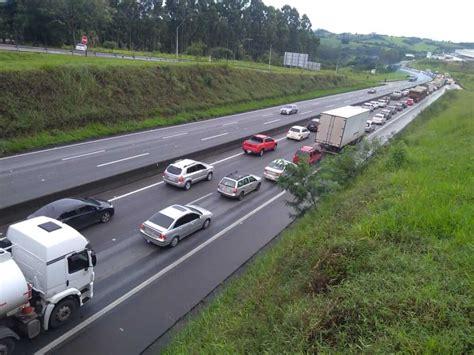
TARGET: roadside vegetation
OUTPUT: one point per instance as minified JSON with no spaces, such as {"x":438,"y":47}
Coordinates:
{"x":462,"y":72}
{"x":383,"y":265}
{"x":55,"y":99}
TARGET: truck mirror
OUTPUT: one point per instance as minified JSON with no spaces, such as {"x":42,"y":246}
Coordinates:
{"x":93,"y":258}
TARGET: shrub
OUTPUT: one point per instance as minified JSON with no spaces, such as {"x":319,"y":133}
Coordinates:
{"x":110,"y":45}
{"x":221,"y":53}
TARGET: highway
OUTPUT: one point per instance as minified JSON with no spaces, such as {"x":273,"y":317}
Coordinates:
{"x":142,"y":290}
{"x":28,"y":176}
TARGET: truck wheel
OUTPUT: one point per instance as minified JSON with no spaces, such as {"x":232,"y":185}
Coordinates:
{"x":7,"y":346}
{"x":62,"y":313}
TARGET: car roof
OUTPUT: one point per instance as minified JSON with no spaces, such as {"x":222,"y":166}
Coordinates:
{"x":298,"y":127}
{"x":236,"y":175}
{"x":56,"y":208}
{"x":175,"y":211}
{"x":260,"y":136}
{"x":307,"y":148}
{"x":183,"y":163}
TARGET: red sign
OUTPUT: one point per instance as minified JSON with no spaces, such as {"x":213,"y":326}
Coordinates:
{"x":84,"y":39}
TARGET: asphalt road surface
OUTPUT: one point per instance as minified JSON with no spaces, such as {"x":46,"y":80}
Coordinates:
{"x":24,"y":177}
{"x":142,"y":290}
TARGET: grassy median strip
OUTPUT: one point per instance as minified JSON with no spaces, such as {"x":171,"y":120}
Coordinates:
{"x":383,"y":266}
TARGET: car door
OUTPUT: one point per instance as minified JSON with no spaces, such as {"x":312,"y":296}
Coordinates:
{"x":200,"y":172}
{"x":191,"y":173}
{"x":269,"y":143}
{"x":78,"y":273}
{"x":305,"y":133}
{"x":194,"y":221}
{"x":69,"y":217}
{"x":182,"y":228}
{"x":252,"y":183}
{"x":86,"y":215}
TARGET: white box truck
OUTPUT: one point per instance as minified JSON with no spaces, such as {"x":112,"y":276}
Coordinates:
{"x":46,"y":274}
{"x":341,"y":126}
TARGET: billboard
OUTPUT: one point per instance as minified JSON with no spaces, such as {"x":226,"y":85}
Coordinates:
{"x":299,"y":60}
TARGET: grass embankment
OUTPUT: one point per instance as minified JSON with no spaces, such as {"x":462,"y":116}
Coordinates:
{"x":53,"y":99}
{"x":383,"y":266}
{"x":462,"y":72}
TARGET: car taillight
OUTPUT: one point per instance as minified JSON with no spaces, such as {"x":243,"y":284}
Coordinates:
{"x":142,"y":226}
{"x":234,"y":190}
{"x":180,"y":179}
{"x":162,"y":237}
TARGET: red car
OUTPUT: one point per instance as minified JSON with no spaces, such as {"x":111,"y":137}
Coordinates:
{"x":409,"y":102}
{"x":313,"y":154}
{"x":258,"y":144}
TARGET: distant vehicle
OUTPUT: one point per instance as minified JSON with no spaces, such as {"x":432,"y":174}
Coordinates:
{"x":313,"y":124}
{"x":413,"y":78}
{"x":341,"y":126}
{"x":387,"y":113}
{"x":81,"y":47}
{"x":396,"y":95}
{"x":368,"y":106}
{"x":409,"y":102}
{"x":276,"y":168}
{"x":298,"y":133}
{"x":376,"y":104}
{"x":259,"y":144}
{"x":399,"y":106}
{"x":403,"y":103}
{"x":372,"y":91}
{"x":369,"y":126}
{"x":77,"y":212}
{"x":405,"y":92}
{"x":379,"y":118}
{"x":183,"y":173}
{"x":288,"y":109}
{"x":312,"y":153}
{"x":392,"y":109}
{"x":173,"y":223}
{"x":236,"y":185}
{"x":382,"y":103}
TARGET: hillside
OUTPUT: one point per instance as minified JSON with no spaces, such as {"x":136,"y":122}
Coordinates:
{"x":51,"y":99}
{"x":383,"y":266}
{"x":376,"y":50}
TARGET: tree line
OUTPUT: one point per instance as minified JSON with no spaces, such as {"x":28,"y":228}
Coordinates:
{"x":240,"y":29}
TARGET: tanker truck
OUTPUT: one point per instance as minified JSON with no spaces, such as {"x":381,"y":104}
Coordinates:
{"x":46,"y":275}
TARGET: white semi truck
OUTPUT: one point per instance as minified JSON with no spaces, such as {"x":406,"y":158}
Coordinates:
{"x":341,"y":126}
{"x":46,"y":274}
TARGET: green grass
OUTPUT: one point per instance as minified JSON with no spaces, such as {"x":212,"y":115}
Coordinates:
{"x":384,"y":266}
{"x":462,"y":72}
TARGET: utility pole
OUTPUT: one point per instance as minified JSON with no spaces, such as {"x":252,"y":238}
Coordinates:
{"x":270,"y":57}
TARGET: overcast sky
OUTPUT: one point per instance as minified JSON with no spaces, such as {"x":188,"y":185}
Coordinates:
{"x":448,"y":20}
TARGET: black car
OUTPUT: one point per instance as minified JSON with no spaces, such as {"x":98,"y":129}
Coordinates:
{"x":77,"y":212}
{"x":313,"y":124}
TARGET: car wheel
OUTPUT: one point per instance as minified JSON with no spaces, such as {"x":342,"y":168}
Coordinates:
{"x":261,"y":152}
{"x":174,"y":242}
{"x":105,"y":217}
{"x":7,"y":346}
{"x":258,"y":186}
{"x":209,"y":176}
{"x":187,"y":185}
{"x":241,"y":196}
{"x":206,"y":224}
{"x":63,"y":312}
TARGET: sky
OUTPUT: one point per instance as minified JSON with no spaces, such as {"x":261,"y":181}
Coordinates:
{"x":442,"y":20}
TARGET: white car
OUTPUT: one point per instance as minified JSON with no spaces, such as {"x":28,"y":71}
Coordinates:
{"x":276,"y":168}
{"x":369,"y":126}
{"x":379,"y":118}
{"x":368,"y":106}
{"x":288,"y":109}
{"x":382,"y":103}
{"x":298,"y":132}
{"x":81,"y":47}
{"x":375,"y":104}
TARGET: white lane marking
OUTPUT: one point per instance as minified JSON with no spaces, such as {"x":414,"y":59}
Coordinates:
{"x":268,"y":122}
{"x":149,"y":281}
{"x":135,"y":191}
{"x":347,"y":101}
{"x":229,"y":123}
{"x":200,"y":198}
{"x":268,"y":115}
{"x":304,"y":113}
{"x":211,"y":137}
{"x":124,"y":159}
{"x":280,"y":139}
{"x":330,"y":105}
{"x":83,"y":155}
{"x":225,"y":159}
{"x":175,"y":135}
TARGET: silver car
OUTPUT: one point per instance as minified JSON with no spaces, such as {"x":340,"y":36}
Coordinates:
{"x":183,"y":173}
{"x":276,"y":169}
{"x":288,"y":109}
{"x":174,"y":223}
{"x":237,"y":185}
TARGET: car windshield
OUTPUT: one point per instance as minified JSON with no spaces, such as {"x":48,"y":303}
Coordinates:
{"x":194,"y":210}
{"x":295,"y":130}
{"x":161,"y":220}
{"x":91,"y":201}
{"x":277,"y":164}
{"x":288,"y":106}
{"x":173,"y":170}
{"x":256,"y":139}
{"x":228,"y":182}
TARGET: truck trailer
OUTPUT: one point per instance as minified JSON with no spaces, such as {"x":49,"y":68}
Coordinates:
{"x":46,"y":274}
{"x":341,"y":126}
{"x":418,"y":93}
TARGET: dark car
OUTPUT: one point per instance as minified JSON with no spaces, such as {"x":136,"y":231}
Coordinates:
{"x":77,"y":212}
{"x":313,"y":124}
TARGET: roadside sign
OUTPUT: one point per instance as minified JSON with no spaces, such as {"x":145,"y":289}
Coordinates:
{"x":84,"y":39}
